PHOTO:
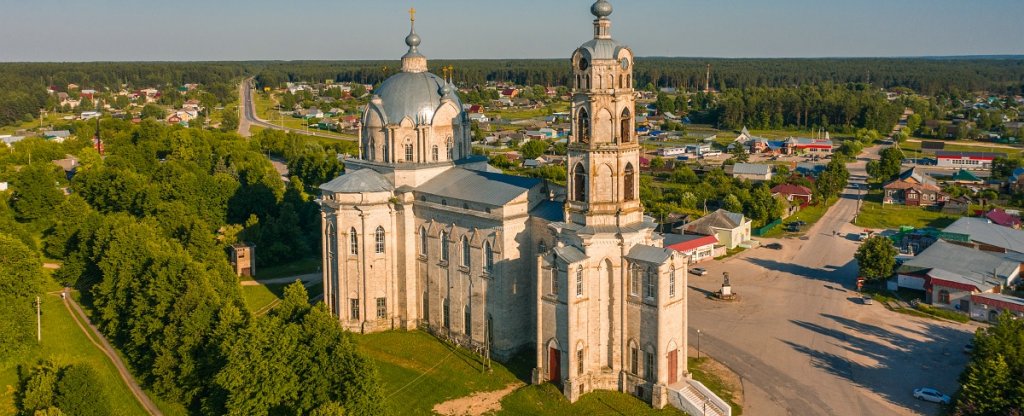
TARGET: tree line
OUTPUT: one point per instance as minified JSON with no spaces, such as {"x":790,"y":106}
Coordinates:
{"x":143,"y":235}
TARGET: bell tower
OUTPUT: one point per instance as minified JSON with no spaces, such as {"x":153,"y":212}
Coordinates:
{"x":604,"y":156}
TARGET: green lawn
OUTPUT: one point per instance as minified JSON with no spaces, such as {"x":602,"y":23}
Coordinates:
{"x":713,"y":383}
{"x":302,"y":266}
{"x":810,"y":215}
{"x":521,"y":114}
{"x":259,"y":298}
{"x":877,"y":216}
{"x":64,"y":343}
{"x":546,"y":399}
{"x":419,"y":372}
{"x":913,"y":149}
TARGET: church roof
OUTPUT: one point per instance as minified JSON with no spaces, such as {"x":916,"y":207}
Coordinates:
{"x":553,"y":211}
{"x":416,"y":95}
{"x":363,"y":180}
{"x":602,"y":48}
{"x":649,"y":254}
{"x":570,"y":254}
{"x":475,"y":186}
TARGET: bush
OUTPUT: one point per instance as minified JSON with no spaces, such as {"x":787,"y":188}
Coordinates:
{"x":943,"y":313}
{"x":79,"y":393}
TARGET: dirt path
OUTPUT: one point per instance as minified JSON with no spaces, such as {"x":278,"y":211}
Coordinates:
{"x":94,"y":334}
{"x":476,"y":404}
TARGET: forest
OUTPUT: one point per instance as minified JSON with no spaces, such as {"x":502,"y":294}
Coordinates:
{"x":22,"y":85}
{"x":143,"y":233}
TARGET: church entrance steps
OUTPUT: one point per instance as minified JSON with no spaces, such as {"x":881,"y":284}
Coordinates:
{"x":692,"y":397}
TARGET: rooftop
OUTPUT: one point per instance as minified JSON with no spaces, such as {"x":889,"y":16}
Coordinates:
{"x":983,"y":231}
{"x":966,"y":263}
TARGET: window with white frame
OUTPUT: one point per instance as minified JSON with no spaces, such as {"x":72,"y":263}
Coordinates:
{"x":672,"y":283}
{"x":353,"y":242}
{"x":379,"y":239}
{"x":382,"y":308}
{"x":579,"y":282}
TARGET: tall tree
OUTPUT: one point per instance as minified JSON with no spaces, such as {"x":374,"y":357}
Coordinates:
{"x":20,"y":282}
{"x":876,"y":258}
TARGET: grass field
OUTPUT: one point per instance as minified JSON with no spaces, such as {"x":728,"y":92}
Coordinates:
{"x":810,"y":215}
{"x":295,"y":268}
{"x":65,"y":343}
{"x":877,"y":216}
{"x":913,"y":149}
{"x":521,"y":114}
{"x":713,"y":383}
{"x":419,"y":372}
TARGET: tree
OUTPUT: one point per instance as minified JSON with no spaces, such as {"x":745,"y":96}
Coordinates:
{"x":153,"y":111}
{"x":1002,"y":167}
{"x":732,"y":204}
{"x":35,"y":191}
{"x":534,"y":149}
{"x":832,"y":181}
{"x":657,"y":163}
{"x":876,"y":258}
{"x":888,"y":166}
{"x":230,"y":121}
{"x":20,"y":281}
{"x":739,"y":153}
{"x":37,"y":391}
{"x":79,"y":392}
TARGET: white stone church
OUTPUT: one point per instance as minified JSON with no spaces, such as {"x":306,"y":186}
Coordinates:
{"x":418,"y":233}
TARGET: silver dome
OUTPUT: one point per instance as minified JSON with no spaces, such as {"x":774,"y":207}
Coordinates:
{"x":601,"y":9}
{"x":602,"y":49}
{"x":413,"y":95}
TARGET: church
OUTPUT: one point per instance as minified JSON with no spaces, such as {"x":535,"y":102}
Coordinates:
{"x":420,"y":234}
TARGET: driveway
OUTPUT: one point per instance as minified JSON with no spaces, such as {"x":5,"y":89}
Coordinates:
{"x":803,"y":342}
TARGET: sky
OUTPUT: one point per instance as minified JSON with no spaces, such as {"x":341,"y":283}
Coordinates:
{"x":232,"y":30}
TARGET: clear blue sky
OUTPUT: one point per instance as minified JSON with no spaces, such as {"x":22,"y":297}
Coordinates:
{"x":128,"y":30}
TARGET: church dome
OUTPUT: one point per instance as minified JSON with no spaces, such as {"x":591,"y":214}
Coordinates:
{"x":416,"y":95}
{"x":602,"y":8}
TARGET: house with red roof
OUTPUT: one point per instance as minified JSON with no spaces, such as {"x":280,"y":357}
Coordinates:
{"x":793,"y":193}
{"x":698,"y":247}
{"x":966,"y":160}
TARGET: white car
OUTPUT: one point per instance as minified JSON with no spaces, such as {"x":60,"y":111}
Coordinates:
{"x":929,"y":394}
{"x":699,"y":271}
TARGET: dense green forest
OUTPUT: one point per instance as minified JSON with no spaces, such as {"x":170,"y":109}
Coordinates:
{"x":22,"y":85}
{"x":143,"y":234}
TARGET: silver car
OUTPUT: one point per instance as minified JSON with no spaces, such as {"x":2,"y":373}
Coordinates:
{"x":929,"y":394}
{"x":699,"y":271}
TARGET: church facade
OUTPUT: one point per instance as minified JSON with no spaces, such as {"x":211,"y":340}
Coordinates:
{"x":418,"y":233}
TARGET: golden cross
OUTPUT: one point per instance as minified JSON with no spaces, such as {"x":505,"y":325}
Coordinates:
{"x":412,"y":14}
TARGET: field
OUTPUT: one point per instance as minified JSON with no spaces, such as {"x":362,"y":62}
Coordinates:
{"x":810,"y":215}
{"x":266,"y":110}
{"x":877,"y":216}
{"x":912,"y":149}
{"x":65,"y":343}
{"x":419,"y":372}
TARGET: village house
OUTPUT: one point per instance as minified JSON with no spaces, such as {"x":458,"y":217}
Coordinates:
{"x":751,"y":171}
{"x":698,"y":248}
{"x":949,"y":274}
{"x":796,"y":194}
{"x":986,"y":236}
{"x":988,"y":306}
{"x":1003,"y":218}
{"x":914,"y":188}
{"x":731,"y":229}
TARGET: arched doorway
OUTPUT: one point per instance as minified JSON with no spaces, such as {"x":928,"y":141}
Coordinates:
{"x":554,"y":362}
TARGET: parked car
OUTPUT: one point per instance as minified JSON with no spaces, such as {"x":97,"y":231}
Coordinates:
{"x":863,"y":236}
{"x":929,"y":394}
{"x":774,"y":246}
{"x":699,"y":271}
{"x":868,"y":300}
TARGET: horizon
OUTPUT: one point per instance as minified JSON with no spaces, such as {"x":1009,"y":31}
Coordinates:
{"x":191,"y":31}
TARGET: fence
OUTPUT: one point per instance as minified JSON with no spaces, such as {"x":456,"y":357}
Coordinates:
{"x":761,"y":231}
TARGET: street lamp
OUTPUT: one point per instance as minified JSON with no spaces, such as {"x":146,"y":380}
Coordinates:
{"x":698,"y":344}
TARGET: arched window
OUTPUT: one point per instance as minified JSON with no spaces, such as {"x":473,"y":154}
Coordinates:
{"x":629,"y":187}
{"x":423,"y":241}
{"x":444,"y":246}
{"x":579,"y":282}
{"x":467,"y":319}
{"x":634,"y":357}
{"x":626,"y":130}
{"x":434,"y":153}
{"x":579,"y":183}
{"x":465,"y":252}
{"x":488,"y":257}
{"x":408,"y":152}
{"x":944,"y":297}
{"x":649,"y":364}
{"x":577,"y":85}
{"x":451,"y":149}
{"x":353,"y":242}
{"x":672,"y":283}
{"x":579,"y":359}
{"x":634,"y":280}
{"x":622,"y":81}
{"x":379,"y":239}
{"x":583,"y":126}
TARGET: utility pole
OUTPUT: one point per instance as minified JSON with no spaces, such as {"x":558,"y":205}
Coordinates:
{"x":39,"y":321}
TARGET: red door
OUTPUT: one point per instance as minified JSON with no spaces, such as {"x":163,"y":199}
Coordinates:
{"x":672,"y":366}
{"x":554,"y":366}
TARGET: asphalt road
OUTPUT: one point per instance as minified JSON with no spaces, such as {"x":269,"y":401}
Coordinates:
{"x":248,"y":117}
{"x":803,"y":341}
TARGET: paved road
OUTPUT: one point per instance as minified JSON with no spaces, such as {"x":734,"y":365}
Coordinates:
{"x":248,"y":117}
{"x":801,"y":338}
{"x":94,"y":334}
